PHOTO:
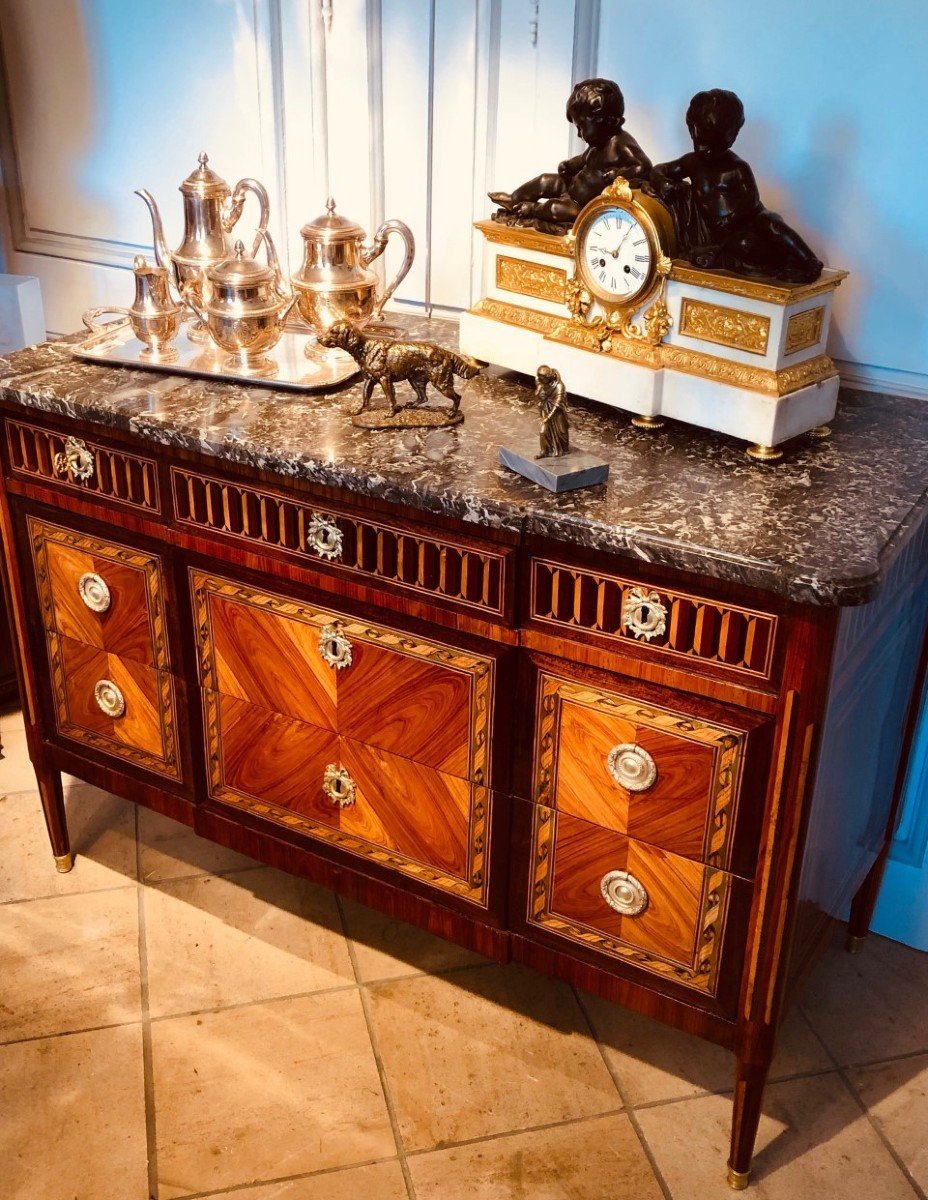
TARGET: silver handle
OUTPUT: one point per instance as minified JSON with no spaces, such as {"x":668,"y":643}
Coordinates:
{"x":335,"y":647}
{"x":623,"y":892}
{"x":90,"y":319}
{"x":644,"y":614}
{"x":338,"y":785}
{"x":76,"y":460}
{"x":377,"y":248}
{"x":93,"y":591}
{"x":632,"y":767}
{"x":324,"y":536}
{"x":237,"y":203}
{"x":109,"y":698}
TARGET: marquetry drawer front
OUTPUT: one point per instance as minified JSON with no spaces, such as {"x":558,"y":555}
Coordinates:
{"x":81,"y":465}
{"x":675,"y":626}
{"x":658,"y":774}
{"x":393,"y":811}
{"x":116,"y":705}
{"x":437,"y":566}
{"x":627,"y":900}
{"x":422,"y":700}
{"x":100,"y":592}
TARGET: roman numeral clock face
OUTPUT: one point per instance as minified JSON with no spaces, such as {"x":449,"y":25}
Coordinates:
{"x":617,"y":256}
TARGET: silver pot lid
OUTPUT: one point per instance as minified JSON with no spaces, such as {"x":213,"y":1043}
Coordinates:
{"x":204,"y":181}
{"x":241,"y":270}
{"x":331,"y":227}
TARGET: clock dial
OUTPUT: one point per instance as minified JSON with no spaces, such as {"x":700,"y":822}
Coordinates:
{"x":617,"y":255}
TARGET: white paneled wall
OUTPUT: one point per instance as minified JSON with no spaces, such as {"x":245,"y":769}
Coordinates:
{"x":414,"y":109}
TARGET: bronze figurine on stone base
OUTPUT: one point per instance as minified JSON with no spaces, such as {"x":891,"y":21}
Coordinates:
{"x":721,"y":223}
{"x":551,"y":202}
{"x":386,"y":362}
{"x":555,"y":428}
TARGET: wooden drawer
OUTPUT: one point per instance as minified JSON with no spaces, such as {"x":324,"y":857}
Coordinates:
{"x":624,"y":900}
{"x":423,"y":700}
{"x":100,"y":592}
{"x":84,"y":466}
{"x":86,"y":682}
{"x":430,"y":825}
{"x":685,"y":775}
{"x":669,"y":625}
{"x":473,"y":576}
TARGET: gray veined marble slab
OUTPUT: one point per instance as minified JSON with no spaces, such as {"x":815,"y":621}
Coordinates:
{"x":820,"y":527}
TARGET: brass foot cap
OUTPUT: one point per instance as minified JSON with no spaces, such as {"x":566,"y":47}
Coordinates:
{"x":764,"y":453}
{"x":821,"y":432}
{"x":64,"y":862}
{"x":854,"y":944}
{"x":648,"y":422}
{"x":738,"y":1180}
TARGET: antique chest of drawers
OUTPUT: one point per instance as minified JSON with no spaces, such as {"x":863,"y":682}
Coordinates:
{"x":616,"y":735}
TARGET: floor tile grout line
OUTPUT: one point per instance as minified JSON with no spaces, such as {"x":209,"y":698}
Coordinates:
{"x":262,"y":1183}
{"x":378,"y":1059}
{"x":864,"y":1063}
{"x":116,"y":887}
{"x":63,"y":1033}
{"x":215,"y":1010}
{"x":841,"y":1072}
{"x":627,"y":1107}
{"x":498,"y":1136}
{"x":148,"y":1073}
{"x":878,"y":1130}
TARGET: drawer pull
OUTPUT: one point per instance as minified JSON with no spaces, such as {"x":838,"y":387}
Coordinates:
{"x":109,"y":698}
{"x":632,"y":767}
{"x":623,"y":892}
{"x":338,"y":785}
{"x":335,"y":647}
{"x":324,"y":536}
{"x":76,"y":460}
{"x":94,"y":592}
{"x":643,"y":614}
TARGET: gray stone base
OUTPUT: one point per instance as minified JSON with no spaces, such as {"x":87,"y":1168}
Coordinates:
{"x":576,"y":469}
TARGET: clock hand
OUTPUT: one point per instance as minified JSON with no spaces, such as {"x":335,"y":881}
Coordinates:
{"x":615,"y":252}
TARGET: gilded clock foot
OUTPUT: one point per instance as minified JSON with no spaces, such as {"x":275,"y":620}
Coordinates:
{"x":820,"y":432}
{"x":854,"y":945}
{"x":738,"y":1180}
{"x":64,"y":862}
{"x":648,"y":422}
{"x":764,"y":453}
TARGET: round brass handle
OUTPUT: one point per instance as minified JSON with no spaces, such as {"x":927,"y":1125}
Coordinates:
{"x":338,"y":785}
{"x":109,"y":698}
{"x":93,"y":591}
{"x":335,"y":647}
{"x":76,"y":460}
{"x":623,"y":892}
{"x":632,"y":767}
{"x":324,"y":536}
{"x":644,"y":614}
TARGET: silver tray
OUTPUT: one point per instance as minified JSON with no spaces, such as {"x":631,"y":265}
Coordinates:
{"x":301,"y":364}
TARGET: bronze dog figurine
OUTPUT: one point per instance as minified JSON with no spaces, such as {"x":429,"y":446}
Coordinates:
{"x":388,"y":362}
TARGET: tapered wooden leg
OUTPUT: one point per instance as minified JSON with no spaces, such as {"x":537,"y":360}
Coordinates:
{"x":52,"y":797}
{"x":750,"y":1080}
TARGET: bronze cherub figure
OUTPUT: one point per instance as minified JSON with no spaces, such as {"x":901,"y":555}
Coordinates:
{"x":387,"y":362}
{"x":555,"y":428}
{"x":551,"y":202}
{"x":721,"y":222}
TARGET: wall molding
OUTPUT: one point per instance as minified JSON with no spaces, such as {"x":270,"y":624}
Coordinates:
{"x":883,"y":379}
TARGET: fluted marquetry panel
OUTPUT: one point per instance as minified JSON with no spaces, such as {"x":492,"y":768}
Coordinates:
{"x":678,"y":934}
{"x":426,"y":823}
{"x":449,"y":568}
{"x":738,"y":639}
{"x":117,"y":475}
{"x":422,"y":700}
{"x":688,"y":809}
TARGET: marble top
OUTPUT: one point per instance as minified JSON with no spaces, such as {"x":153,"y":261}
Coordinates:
{"x":820,"y":527}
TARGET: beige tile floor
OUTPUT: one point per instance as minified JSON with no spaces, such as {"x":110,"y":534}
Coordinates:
{"x":178,"y":1021}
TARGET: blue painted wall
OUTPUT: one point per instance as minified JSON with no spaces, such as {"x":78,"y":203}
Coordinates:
{"x":836,"y":98}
